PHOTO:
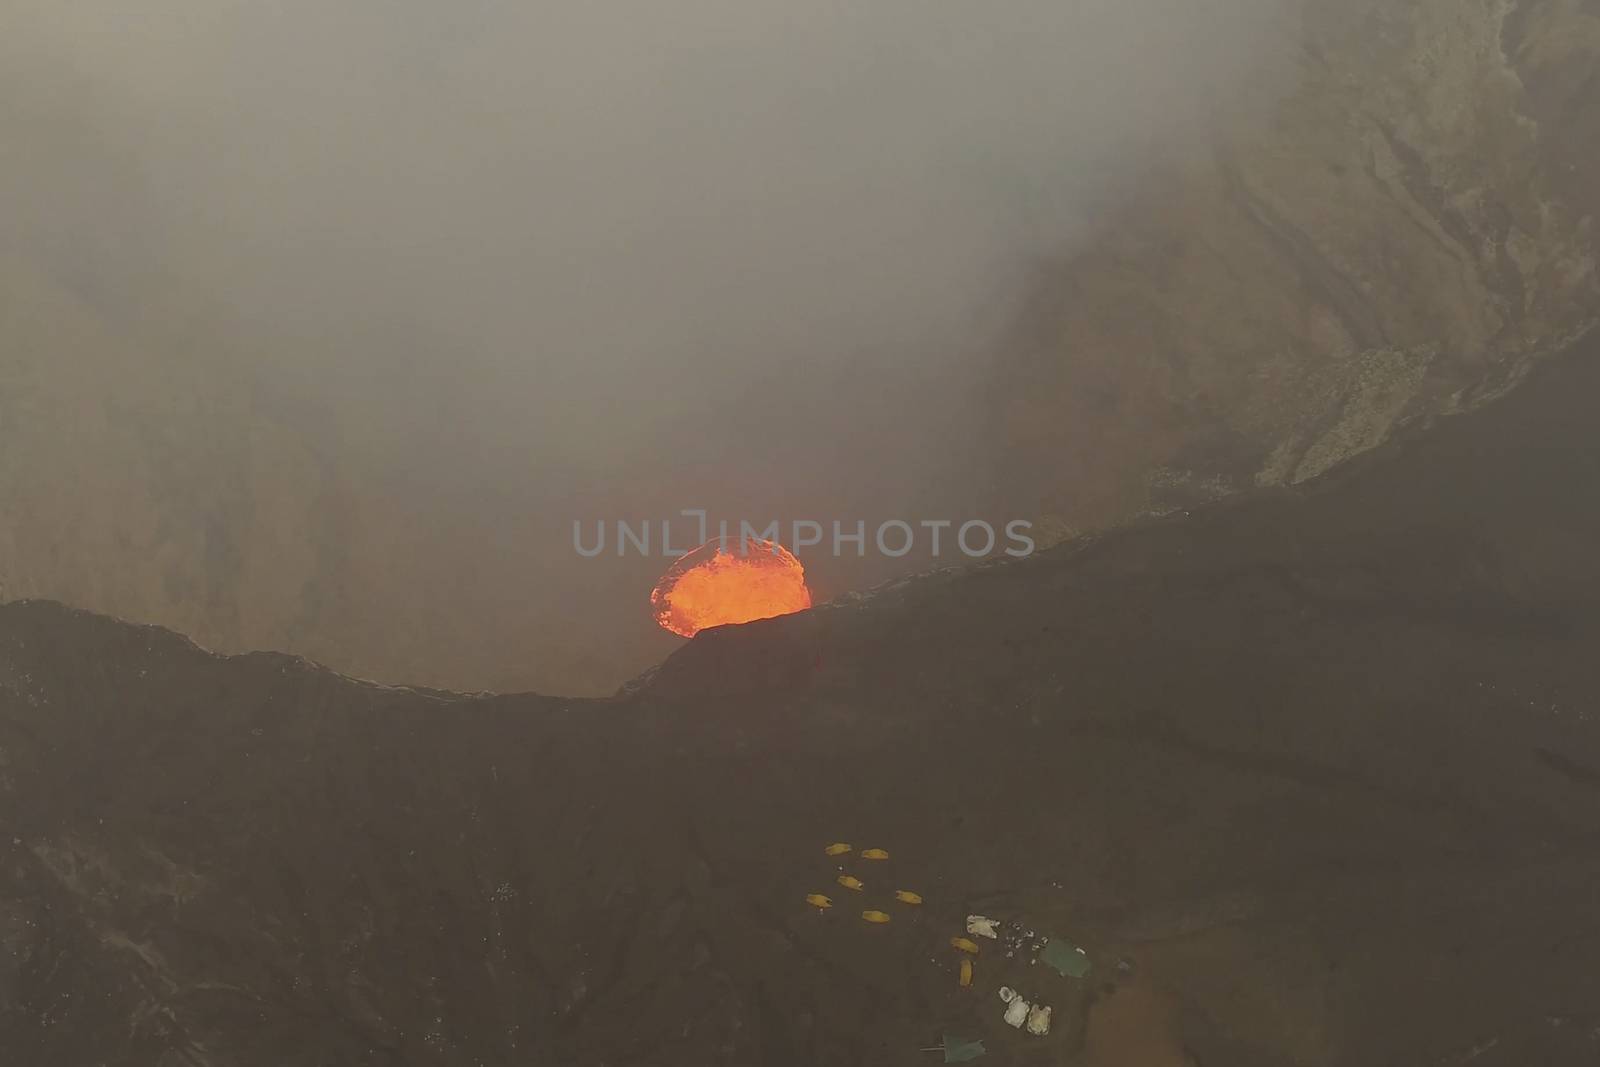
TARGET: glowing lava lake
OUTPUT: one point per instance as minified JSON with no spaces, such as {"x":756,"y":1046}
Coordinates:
{"x":717,"y":585}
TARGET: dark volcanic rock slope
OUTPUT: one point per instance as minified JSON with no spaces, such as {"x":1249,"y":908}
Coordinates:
{"x":1322,"y":766}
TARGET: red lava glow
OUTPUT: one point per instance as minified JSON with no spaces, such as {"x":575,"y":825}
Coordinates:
{"x":716,"y":586}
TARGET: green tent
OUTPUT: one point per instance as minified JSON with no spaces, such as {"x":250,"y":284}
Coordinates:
{"x":960,"y":1050}
{"x":1065,"y":958}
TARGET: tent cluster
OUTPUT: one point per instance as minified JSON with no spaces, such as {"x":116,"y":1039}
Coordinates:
{"x":1012,"y":938}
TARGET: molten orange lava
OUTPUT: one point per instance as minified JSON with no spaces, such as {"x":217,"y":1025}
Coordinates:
{"x":715,"y":586}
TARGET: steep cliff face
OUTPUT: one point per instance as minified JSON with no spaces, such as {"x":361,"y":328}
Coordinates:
{"x":155,"y":484}
{"x":1402,"y":237}
{"x":1312,"y":776}
{"x":171,"y":486}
